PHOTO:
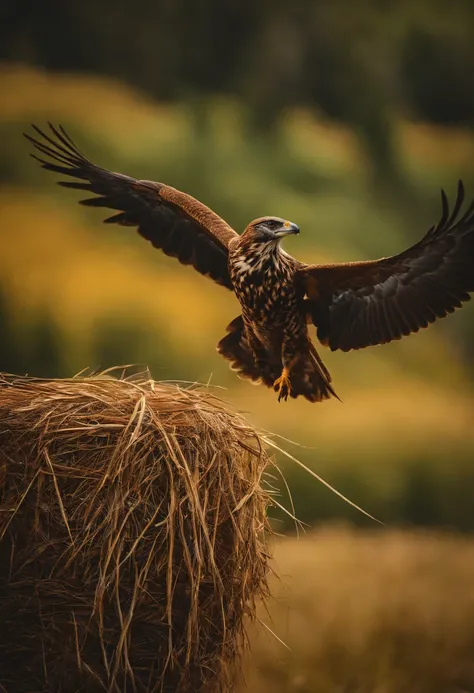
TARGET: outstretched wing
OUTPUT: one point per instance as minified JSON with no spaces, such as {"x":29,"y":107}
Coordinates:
{"x":171,"y":220}
{"x":359,"y":304}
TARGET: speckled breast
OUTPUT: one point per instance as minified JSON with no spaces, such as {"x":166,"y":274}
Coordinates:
{"x":264,"y":288}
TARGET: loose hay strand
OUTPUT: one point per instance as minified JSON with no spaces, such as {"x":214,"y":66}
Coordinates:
{"x":131,"y":535}
{"x":271,"y":443}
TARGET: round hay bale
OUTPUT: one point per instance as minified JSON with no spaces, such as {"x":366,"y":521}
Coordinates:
{"x":132,"y":536}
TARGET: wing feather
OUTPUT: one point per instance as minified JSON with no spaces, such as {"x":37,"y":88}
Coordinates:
{"x":355,"y":305}
{"x":171,"y":220}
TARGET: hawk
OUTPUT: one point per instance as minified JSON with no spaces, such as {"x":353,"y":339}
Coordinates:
{"x":352,"y":305}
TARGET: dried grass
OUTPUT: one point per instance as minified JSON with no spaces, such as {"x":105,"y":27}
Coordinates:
{"x":132,"y":547}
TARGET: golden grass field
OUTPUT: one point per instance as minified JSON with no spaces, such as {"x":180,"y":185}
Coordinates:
{"x":382,"y":612}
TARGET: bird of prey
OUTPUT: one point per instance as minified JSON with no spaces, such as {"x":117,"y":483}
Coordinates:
{"x":352,"y":305}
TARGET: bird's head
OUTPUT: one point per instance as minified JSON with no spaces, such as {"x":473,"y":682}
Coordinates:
{"x":269,"y":230}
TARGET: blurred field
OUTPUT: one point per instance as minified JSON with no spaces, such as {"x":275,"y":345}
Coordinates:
{"x":402,"y":443}
{"x":387,"y":612}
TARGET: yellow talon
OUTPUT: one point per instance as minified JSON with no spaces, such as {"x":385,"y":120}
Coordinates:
{"x":282,"y":385}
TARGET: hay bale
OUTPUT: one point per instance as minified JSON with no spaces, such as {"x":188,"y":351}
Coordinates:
{"x":132,"y":521}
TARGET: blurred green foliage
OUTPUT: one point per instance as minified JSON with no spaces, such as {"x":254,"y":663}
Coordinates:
{"x":34,"y":349}
{"x":356,"y":62}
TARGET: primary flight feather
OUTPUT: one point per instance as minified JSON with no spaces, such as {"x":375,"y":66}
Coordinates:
{"x":352,"y":305}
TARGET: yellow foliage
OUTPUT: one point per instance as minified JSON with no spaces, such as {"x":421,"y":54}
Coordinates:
{"x":49,"y":257}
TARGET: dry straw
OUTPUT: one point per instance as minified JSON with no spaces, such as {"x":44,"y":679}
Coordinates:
{"x":132,"y":547}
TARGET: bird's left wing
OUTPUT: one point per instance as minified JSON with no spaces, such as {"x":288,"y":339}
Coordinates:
{"x":171,"y":220}
{"x":359,"y":304}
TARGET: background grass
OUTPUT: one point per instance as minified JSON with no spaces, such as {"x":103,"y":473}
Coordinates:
{"x":357,"y":611}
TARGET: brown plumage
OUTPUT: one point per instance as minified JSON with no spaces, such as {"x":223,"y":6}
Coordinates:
{"x":352,"y":305}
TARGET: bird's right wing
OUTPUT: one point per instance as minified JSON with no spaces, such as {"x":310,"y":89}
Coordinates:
{"x":171,"y":220}
{"x":355,"y":305}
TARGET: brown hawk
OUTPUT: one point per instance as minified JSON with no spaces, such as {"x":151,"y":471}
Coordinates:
{"x":352,"y":305}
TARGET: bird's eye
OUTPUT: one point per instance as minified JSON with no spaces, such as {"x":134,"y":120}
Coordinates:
{"x":273,"y":224}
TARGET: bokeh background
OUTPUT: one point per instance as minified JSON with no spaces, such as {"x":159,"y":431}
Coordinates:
{"x":346,"y":117}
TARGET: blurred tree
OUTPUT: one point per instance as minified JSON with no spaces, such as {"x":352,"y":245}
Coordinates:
{"x":44,"y":349}
{"x":10,"y":359}
{"x":430,"y":63}
{"x":35,"y":349}
{"x":358,"y":62}
{"x":121,"y":341}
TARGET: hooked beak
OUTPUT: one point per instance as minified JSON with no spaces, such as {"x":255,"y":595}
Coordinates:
{"x":288,"y":230}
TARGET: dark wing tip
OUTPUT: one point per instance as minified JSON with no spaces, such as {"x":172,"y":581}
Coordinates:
{"x":444,"y":209}
{"x":58,"y":152}
{"x":444,"y":199}
{"x":450,"y":220}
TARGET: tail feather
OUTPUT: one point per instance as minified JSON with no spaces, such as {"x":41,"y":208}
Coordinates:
{"x":235,"y":348}
{"x":309,"y":377}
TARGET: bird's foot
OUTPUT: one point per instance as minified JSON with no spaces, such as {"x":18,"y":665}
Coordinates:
{"x":282,"y":385}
